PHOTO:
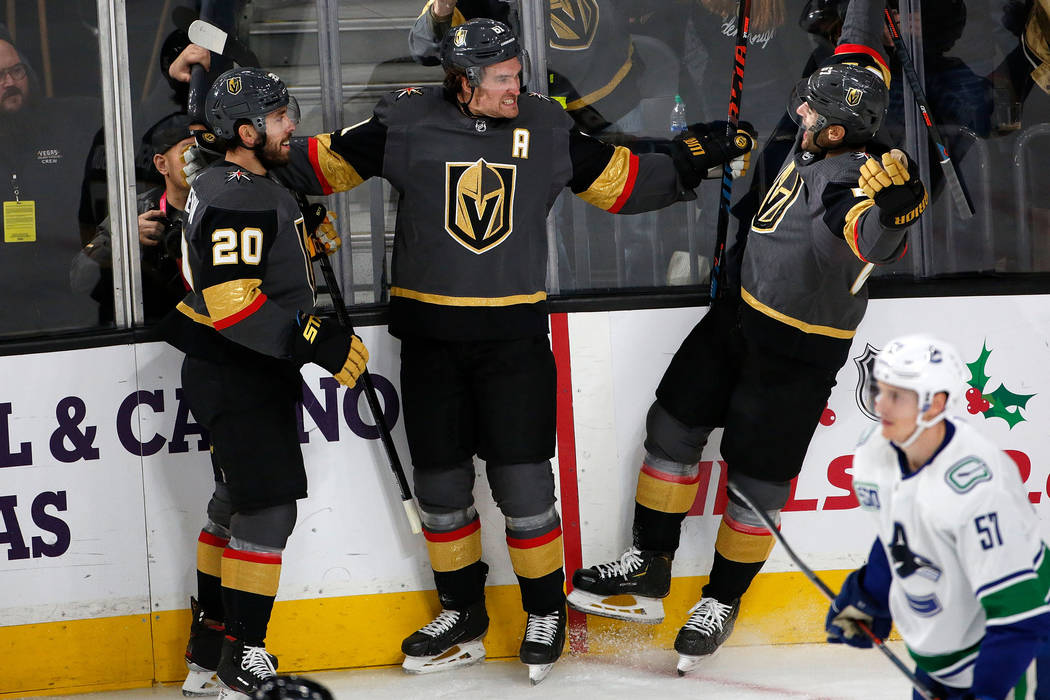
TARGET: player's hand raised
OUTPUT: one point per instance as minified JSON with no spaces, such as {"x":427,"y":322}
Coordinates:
{"x":894,"y":184}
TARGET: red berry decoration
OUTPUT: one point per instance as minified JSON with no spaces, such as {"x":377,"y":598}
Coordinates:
{"x":973,"y":394}
{"x":983,"y":405}
{"x":973,"y":408}
{"x":827,"y":417}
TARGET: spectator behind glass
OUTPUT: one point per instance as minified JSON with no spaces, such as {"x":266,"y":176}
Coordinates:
{"x":161,"y":215}
{"x":43,"y":142}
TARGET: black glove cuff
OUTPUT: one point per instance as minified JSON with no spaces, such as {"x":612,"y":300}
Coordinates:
{"x":900,"y":205}
{"x":321,"y":341}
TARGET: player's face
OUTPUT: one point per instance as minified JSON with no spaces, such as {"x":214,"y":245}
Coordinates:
{"x":279,"y":129}
{"x":497,"y":96}
{"x":14,"y":85}
{"x":811,"y":141}
{"x":898,"y":410}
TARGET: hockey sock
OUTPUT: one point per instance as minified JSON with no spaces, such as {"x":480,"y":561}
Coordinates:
{"x":665,"y":493}
{"x":461,"y":588}
{"x":536,"y":556}
{"x":209,"y":573}
{"x":249,"y":586}
{"x":740,"y":551}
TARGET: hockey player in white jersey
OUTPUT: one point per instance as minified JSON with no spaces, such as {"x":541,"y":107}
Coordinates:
{"x":958,"y":562}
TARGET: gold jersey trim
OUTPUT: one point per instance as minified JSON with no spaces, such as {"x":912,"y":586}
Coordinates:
{"x":443,"y":300}
{"x":794,"y":322}
{"x":607,"y":187}
{"x":229,"y":298}
{"x":850,"y":228}
{"x":188,"y":311}
{"x":603,"y":91}
{"x":340,"y":175}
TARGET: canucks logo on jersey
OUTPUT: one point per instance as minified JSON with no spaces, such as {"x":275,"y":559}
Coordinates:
{"x":479,"y":203}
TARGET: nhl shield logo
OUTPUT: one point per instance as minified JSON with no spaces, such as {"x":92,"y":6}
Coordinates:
{"x":573,"y":24}
{"x":479,"y":204}
{"x":853,"y":96}
{"x":865,"y":362}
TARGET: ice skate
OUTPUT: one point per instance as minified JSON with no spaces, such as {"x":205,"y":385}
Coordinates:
{"x":202,"y":653}
{"x":243,"y":668}
{"x":710,"y":624}
{"x":627,"y":589}
{"x":543,"y":643}
{"x":453,"y":638}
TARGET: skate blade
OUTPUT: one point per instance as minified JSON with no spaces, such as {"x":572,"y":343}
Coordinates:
{"x":687,"y":663}
{"x":463,"y":654}
{"x":537,"y":672}
{"x":228,"y":694}
{"x":200,"y":682}
{"x":631,"y":608}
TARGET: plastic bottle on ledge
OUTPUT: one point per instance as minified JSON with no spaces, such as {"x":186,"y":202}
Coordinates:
{"x":678,"y":120}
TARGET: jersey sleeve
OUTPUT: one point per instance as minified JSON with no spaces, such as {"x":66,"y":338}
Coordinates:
{"x":860,"y":41}
{"x":335,"y":162}
{"x":847,"y":213}
{"x":619,"y":181}
{"x":234,"y":247}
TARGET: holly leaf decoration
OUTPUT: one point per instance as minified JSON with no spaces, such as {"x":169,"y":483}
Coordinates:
{"x":1007,"y":405}
{"x":978,"y":379}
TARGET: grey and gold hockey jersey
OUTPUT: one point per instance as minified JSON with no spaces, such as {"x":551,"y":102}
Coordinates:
{"x":470,"y":248}
{"x":245,"y":259}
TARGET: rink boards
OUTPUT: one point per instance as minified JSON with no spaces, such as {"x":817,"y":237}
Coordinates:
{"x":104,"y":475}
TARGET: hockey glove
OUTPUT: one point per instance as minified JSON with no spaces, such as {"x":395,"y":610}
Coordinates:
{"x":322,"y":234}
{"x":695,"y":156}
{"x":739,"y":165}
{"x":896,"y":188}
{"x":329,"y":345}
{"x":854,"y":605}
{"x":208,"y":149}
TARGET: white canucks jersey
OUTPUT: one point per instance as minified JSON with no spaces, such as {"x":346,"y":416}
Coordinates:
{"x":962,"y":541}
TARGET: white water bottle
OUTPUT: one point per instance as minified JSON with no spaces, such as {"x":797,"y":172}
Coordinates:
{"x":678,"y":121}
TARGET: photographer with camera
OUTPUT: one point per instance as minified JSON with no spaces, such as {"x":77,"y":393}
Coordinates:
{"x":161,"y":214}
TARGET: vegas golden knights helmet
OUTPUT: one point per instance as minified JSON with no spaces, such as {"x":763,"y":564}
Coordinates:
{"x":481,"y":42}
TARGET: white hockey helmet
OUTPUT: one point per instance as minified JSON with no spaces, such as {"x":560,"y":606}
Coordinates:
{"x":924,"y":364}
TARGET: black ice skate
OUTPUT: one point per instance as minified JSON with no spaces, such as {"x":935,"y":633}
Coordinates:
{"x":543,"y":643}
{"x":243,"y":668}
{"x":453,"y":638}
{"x":202,"y":653}
{"x":710,"y":623}
{"x":627,"y":589}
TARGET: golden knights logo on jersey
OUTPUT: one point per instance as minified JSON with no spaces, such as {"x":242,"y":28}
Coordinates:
{"x":781,"y":195}
{"x":573,"y":24}
{"x":479,"y":203}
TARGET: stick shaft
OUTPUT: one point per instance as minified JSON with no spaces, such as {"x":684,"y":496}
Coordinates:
{"x":951,"y":176}
{"x":736,"y":93}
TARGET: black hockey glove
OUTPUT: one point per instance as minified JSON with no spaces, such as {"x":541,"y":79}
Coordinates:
{"x":329,"y":345}
{"x":896,"y":188}
{"x":854,"y":605}
{"x":696,"y":155}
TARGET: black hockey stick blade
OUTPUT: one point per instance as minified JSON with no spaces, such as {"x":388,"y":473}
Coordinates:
{"x":316,"y":214}
{"x":736,"y":93}
{"x":951,"y":176}
{"x":213,"y":38}
{"x":919,"y":686}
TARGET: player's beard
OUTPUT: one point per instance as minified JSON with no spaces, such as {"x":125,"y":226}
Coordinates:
{"x":271,"y":155}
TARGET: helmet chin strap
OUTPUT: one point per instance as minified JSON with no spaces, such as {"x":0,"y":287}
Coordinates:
{"x":920,"y":426}
{"x":465,"y":106}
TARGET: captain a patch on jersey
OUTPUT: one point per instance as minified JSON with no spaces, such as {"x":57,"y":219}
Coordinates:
{"x":479,"y":203}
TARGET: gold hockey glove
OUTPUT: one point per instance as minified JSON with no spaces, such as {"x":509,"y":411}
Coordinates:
{"x":895,"y":186}
{"x":325,"y":236}
{"x":329,"y":345}
{"x":207,"y":149}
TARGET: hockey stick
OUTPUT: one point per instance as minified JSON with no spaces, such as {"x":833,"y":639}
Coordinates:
{"x":318,"y":211}
{"x":215,"y":39}
{"x":962,"y":203}
{"x":919,"y":686}
{"x":736,"y":91}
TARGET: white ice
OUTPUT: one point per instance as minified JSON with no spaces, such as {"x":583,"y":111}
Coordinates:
{"x":798,"y":671}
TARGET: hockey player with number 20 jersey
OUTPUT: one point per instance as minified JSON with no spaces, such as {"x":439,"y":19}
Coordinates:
{"x":958,"y":563}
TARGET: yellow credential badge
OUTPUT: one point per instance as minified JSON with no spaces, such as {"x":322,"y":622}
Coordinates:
{"x":20,"y":222}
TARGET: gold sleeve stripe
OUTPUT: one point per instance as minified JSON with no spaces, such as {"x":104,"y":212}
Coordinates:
{"x":851,"y":231}
{"x":794,"y":322}
{"x":467,"y":301}
{"x":665,"y":495}
{"x":601,"y":92}
{"x":188,"y":311}
{"x":537,"y":560}
{"x":233,"y":301}
{"x":740,"y":547}
{"x":457,"y":16}
{"x":331,"y":169}
{"x":450,"y":555}
{"x":209,"y":554}
{"x":252,"y":572}
{"x":613,"y":187}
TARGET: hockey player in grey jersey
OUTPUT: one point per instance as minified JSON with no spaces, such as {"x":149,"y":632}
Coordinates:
{"x":246,"y":328}
{"x":958,"y":561}
{"x":763,"y":360}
